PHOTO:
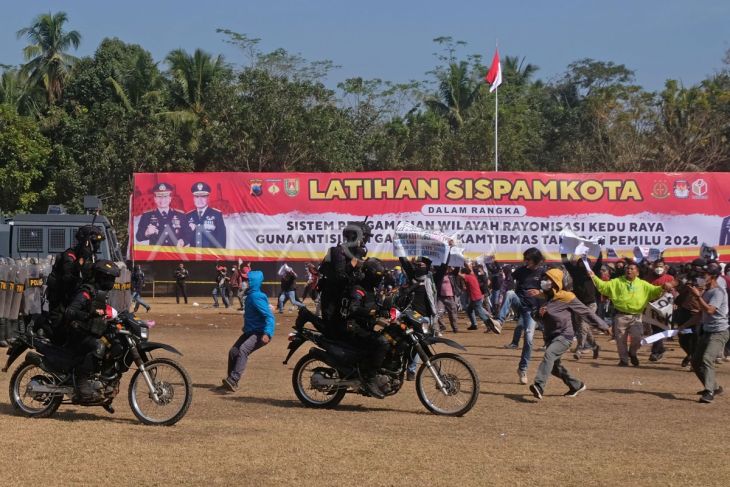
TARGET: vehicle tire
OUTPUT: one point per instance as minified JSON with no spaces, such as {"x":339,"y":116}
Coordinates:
{"x":22,"y":402}
{"x":174,"y":389}
{"x":307,"y":394}
{"x":461,"y":382}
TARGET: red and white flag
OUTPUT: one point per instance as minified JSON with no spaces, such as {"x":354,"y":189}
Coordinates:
{"x":494,"y":76}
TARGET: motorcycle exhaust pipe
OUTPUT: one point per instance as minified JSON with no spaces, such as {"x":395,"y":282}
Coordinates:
{"x":321,"y":381}
{"x":38,"y":388}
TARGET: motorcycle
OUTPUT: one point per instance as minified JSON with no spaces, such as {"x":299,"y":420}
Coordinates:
{"x":160,"y":390}
{"x":446,"y":384}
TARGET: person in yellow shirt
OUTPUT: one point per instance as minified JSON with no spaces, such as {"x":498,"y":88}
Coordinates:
{"x":629,"y":295}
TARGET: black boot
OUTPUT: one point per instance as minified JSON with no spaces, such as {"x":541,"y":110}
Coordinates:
{"x":372,"y":387}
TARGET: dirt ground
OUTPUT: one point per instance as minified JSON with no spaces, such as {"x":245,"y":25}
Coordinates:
{"x":636,"y":426}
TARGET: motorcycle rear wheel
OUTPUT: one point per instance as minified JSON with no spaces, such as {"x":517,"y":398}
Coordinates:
{"x":40,"y":405}
{"x":306,"y":393}
{"x":174,"y":389}
{"x":460,"y":380}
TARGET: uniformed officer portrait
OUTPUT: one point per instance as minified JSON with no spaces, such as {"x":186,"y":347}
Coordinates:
{"x":163,"y":225}
{"x":206,"y":224}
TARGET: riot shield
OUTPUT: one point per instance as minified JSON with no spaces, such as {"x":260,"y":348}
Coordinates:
{"x":46,"y":265}
{"x":126,"y":287}
{"x":4,"y":272}
{"x":21,"y":274}
{"x":10,"y":276}
{"x":33,"y":292}
{"x":120,"y":297}
{"x":15,"y":298}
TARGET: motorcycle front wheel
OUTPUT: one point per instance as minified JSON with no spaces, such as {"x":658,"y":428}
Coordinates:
{"x":174,"y":393}
{"x":304,"y":388}
{"x":33,"y":405}
{"x":460,"y":385}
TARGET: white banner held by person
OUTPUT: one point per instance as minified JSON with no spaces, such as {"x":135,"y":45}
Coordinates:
{"x":411,"y":241}
{"x":657,"y":312}
{"x":664,"y":334}
{"x":457,"y":257}
{"x":570,"y":243}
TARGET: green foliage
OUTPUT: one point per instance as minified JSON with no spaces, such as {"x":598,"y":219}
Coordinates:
{"x":23,"y":154}
{"x":73,"y":127}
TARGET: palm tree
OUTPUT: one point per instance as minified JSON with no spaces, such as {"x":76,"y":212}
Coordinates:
{"x":48,"y":64}
{"x":516,"y":71}
{"x":138,"y":82}
{"x":192,"y":78}
{"x":456,"y":93}
{"x":17,"y":93}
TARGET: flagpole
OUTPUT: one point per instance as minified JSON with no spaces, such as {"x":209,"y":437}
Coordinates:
{"x":496,"y":129}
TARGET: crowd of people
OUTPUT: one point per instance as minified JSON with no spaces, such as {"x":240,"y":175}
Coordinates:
{"x":568,"y":302}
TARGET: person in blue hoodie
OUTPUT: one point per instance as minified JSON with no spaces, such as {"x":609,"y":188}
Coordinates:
{"x":258,"y":329}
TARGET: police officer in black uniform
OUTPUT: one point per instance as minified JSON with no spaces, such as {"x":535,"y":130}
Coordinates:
{"x":339,"y":268}
{"x":69,"y":269}
{"x":361,"y":317}
{"x":206,"y":225}
{"x":163,"y":225}
{"x":85,"y":323}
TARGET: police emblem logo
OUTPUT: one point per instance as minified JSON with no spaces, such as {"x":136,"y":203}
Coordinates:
{"x":681,"y":189}
{"x":699,"y":189}
{"x":660,"y":190}
{"x":291,"y":187}
{"x":256,"y":188}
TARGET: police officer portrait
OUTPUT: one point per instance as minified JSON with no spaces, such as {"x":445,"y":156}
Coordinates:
{"x":205,"y":224}
{"x":163,"y":225}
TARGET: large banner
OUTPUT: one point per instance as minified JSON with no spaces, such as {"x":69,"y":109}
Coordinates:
{"x":297,"y":216}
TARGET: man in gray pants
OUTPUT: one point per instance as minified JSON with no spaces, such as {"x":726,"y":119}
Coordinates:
{"x":714,"y":331}
{"x":556,"y":317}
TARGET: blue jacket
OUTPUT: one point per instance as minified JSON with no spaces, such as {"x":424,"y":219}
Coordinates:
{"x":258,"y":317}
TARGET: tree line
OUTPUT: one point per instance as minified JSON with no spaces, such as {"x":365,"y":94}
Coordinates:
{"x":72,"y":126}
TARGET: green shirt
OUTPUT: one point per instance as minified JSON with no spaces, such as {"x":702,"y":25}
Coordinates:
{"x":628,"y":296}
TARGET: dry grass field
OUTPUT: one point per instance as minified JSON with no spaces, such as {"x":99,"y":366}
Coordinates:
{"x":633,"y":426}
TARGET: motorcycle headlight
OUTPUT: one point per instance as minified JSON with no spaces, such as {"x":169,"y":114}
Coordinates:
{"x":424,"y":326}
{"x":144,"y":332}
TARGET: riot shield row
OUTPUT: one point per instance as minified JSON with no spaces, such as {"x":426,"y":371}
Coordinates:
{"x":22,"y":292}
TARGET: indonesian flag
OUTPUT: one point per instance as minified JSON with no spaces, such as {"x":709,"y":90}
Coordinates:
{"x":494,"y":76}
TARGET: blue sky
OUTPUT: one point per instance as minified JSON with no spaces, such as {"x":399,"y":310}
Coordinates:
{"x":392,"y":40}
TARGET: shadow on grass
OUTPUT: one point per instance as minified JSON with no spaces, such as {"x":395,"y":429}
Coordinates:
{"x":293,"y":403}
{"x":72,"y":416}
{"x":661,"y":395}
{"x":521,"y":398}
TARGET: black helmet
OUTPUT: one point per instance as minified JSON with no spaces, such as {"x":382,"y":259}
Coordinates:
{"x":105,"y":273}
{"x":358,"y":232}
{"x":373,"y":272}
{"x":89,"y":233}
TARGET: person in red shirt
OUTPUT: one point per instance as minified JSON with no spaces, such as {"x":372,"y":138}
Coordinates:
{"x":475,"y":304}
{"x":658,"y":277}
